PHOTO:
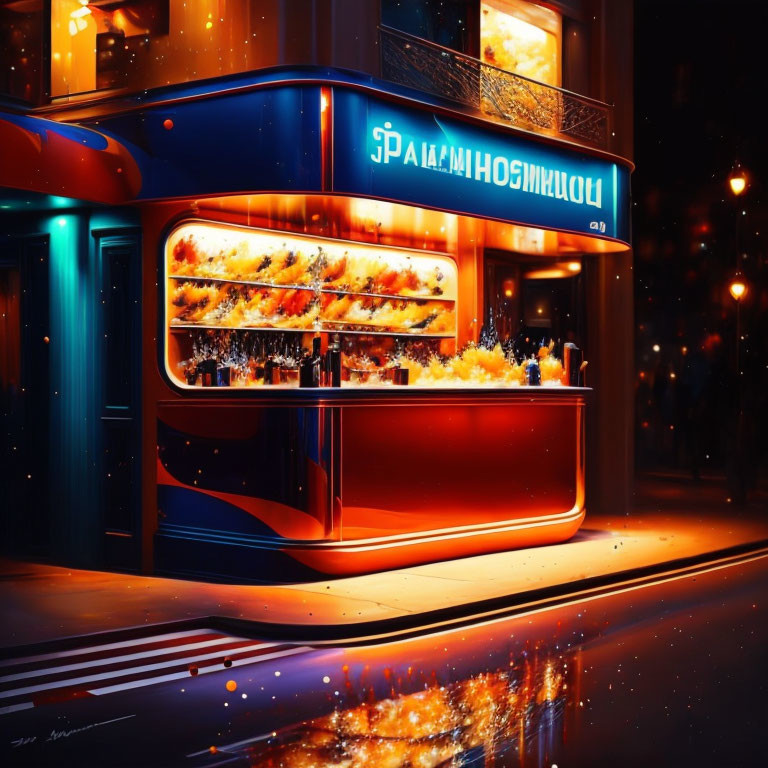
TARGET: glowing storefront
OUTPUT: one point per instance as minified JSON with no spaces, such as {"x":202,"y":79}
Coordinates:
{"x":354,"y":300}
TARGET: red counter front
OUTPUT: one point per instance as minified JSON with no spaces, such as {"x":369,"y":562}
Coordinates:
{"x":357,"y":481}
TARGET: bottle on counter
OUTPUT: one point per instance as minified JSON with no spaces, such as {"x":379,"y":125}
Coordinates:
{"x":401,"y":376}
{"x":333,"y":363}
{"x":310,"y":366}
{"x":532,"y":373}
{"x":271,"y":369}
{"x":207,"y":370}
{"x":573,"y":358}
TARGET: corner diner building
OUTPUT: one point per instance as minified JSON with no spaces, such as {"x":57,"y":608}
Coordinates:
{"x":377,"y":179}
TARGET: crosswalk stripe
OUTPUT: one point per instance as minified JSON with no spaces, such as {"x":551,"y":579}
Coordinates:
{"x":89,"y":655}
{"x":203,"y":671}
{"x":16,"y":707}
{"x":163,"y":651}
{"x":125,"y":672}
{"x":106,"y":647}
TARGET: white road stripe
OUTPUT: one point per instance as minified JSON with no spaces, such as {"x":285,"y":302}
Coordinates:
{"x":129,"y":671}
{"x":158,"y":652}
{"x":16,"y":708}
{"x":107,"y":647}
{"x":203,"y":671}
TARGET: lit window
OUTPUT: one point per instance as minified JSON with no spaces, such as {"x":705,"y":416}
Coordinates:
{"x":523,"y":38}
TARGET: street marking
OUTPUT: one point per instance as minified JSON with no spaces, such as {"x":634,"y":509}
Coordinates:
{"x":119,"y":659}
{"x":16,"y":707}
{"x":106,"y":647}
{"x":203,"y":671}
{"x":128,"y":671}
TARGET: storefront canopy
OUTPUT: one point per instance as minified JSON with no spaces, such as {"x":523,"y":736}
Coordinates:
{"x":53,"y":158}
{"x":319,"y":131}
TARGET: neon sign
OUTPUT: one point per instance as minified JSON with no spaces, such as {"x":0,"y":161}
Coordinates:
{"x":497,"y":169}
{"x":414,"y":156}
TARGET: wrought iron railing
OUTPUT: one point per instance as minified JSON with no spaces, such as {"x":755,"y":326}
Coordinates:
{"x":499,"y":95}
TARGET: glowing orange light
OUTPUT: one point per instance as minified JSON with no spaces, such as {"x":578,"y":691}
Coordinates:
{"x":574,"y":266}
{"x":737,"y":288}
{"x":738,"y":182}
{"x":231,"y":685}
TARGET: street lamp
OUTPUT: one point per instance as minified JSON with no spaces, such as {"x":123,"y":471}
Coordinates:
{"x":737,"y":181}
{"x":737,"y":288}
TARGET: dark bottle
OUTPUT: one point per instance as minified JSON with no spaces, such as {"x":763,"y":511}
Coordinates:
{"x":207,"y":370}
{"x":533,"y":373}
{"x":269,"y":371}
{"x":310,"y":365}
{"x":333,"y":362}
{"x":573,"y":357}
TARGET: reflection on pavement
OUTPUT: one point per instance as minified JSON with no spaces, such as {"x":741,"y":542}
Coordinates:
{"x":514,"y":714}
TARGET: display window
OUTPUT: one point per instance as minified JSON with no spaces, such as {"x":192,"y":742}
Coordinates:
{"x":247,"y":308}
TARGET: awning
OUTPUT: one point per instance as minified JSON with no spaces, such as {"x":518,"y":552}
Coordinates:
{"x":58,"y":159}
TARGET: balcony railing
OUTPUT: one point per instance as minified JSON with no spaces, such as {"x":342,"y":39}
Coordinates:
{"x":496,"y":94}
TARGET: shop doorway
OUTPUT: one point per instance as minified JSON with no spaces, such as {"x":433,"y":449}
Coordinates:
{"x":25,"y":520}
{"x":532,"y":301}
{"x":119,"y":259}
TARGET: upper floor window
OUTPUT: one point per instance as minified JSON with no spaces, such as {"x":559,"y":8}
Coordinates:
{"x":523,"y":38}
{"x":139,"y":44}
{"x":450,"y":23}
{"x":21,"y":45}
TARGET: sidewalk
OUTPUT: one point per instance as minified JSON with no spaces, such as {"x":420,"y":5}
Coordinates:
{"x":41,"y":603}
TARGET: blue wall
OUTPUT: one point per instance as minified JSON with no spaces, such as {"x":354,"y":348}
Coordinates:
{"x":76,"y":344}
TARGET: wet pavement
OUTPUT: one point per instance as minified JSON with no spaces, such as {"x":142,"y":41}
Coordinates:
{"x":674,"y":523}
{"x":670,"y":672}
{"x":639,"y":643}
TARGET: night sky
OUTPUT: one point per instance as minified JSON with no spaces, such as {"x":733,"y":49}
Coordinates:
{"x":699,"y":93}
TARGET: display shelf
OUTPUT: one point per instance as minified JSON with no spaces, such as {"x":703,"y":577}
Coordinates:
{"x":253,"y":283}
{"x":408,"y":334}
{"x":320,"y":290}
{"x":197,"y":327}
{"x":396,"y":297}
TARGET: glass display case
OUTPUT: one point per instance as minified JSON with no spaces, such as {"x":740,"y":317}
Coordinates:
{"x":250,"y":308}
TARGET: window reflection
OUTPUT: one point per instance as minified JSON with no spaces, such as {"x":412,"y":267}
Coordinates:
{"x":138,"y":44}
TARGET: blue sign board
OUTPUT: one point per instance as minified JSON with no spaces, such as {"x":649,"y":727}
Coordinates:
{"x":261,"y":141}
{"x":384,"y":150}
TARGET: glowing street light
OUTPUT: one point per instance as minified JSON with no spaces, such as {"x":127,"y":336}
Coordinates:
{"x":738,"y":182}
{"x":737,"y":288}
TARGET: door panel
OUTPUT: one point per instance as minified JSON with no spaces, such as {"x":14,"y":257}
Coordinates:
{"x":119,"y":257}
